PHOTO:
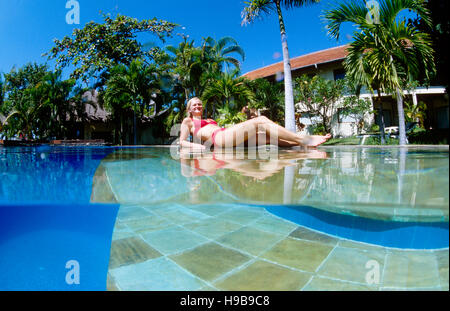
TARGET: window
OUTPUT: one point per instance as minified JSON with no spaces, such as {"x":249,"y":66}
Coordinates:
{"x":339,"y":74}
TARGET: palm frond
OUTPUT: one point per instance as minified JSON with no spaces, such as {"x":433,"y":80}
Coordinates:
{"x":351,"y":12}
{"x":255,"y":9}
{"x":289,"y":4}
{"x":234,"y":49}
{"x":389,"y":10}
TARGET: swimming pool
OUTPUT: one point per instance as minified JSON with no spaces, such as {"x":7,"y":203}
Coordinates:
{"x":231,"y":221}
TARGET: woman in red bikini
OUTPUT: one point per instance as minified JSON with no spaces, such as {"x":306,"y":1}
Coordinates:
{"x":207,"y":131}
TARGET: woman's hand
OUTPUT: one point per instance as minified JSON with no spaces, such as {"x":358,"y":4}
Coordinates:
{"x":197,"y":147}
{"x":191,"y":147}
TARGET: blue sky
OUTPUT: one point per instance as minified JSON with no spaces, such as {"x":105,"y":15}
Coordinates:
{"x":28,"y":27}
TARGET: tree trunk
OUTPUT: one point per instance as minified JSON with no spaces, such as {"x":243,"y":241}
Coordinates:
{"x":186,"y":93}
{"x":134,"y":128}
{"x":383,"y":140}
{"x":121,"y":130}
{"x":289,"y":111}
{"x":401,"y":118}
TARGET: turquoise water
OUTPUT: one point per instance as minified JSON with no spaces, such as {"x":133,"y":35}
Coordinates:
{"x":381,"y":191}
{"x":388,"y":184}
{"x":391,"y":197}
{"x":61,"y":203}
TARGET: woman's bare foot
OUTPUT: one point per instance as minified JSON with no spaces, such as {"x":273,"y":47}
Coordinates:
{"x":316,"y":140}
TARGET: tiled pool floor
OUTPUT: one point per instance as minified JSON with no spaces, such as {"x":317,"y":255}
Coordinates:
{"x":225,"y":247}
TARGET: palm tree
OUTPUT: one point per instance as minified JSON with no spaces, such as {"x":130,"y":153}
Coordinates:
{"x":228,"y":91}
{"x":115,"y":100}
{"x":253,"y":10}
{"x":56,"y":99}
{"x":416,"y":113}
{"x":131,"y":89}
{"x":23,"y":118}
{"x":218,"y":53}
{"x":2,"y":93}
{"x":385,"y":52}
{"x":216,"y":58}
{"x":187,"y":66}
{"x":2,"y":99}
{"x":268,"y":96}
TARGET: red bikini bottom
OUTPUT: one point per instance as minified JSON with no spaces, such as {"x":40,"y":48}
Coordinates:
{"x":213,"y":136}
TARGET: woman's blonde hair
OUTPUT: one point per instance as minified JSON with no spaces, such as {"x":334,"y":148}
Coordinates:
{"x":188,"y":106}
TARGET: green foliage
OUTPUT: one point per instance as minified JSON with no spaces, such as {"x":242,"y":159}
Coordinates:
{"x":219,"y":54}
{"x":132,"y":86}
{"x":2,"y":92}
{"x":96,"y":48}
{"x":318,"y":129}
{"x":343,"y":141}
{"x":37,"y":103}
{"x":318,"y":96}
{"x":57,"y":105}
{"x":176,"y":115}
{"x":228,"y":90}
{"x":374,"y":128}
{"x":22,"y":102}
{"x":195,"y":68}
{"x":421,"y":136}
{"x":386,"y":53}
{"x":415,"y":112}
{"x":356,"y":108}
{"x":19,"y":80}
{"x":187,"y":62}
{"x":228,"y":116}
{"x":377,"y":141}
{"x":129,"y":90}
{"x":439,"y":32}
{"x":269,"y":97}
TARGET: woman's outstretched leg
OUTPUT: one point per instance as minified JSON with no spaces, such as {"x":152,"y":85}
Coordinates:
{"x":239,"y":133}
{"x":263,"y":139}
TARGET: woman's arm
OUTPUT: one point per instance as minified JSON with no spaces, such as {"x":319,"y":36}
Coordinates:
{"x":184,"y":134}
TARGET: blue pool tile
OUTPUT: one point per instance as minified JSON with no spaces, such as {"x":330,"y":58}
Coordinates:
{"x":159,"y":274}
{"x":173,"y":240}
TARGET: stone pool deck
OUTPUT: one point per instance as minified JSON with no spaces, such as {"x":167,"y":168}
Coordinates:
{"x":223,"y":247}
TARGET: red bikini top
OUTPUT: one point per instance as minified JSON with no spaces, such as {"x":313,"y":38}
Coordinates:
{"x":202,"y":123}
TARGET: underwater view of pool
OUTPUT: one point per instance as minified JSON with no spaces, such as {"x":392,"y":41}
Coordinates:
{"x":147,"y":218}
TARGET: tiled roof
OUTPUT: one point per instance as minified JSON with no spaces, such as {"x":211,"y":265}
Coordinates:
{"x":320,"y":57}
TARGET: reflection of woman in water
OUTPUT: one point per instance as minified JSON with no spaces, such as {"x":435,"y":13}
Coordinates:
{"x":197,"y":164}
{"x":248,"y":179}
{"x":208,"y":131}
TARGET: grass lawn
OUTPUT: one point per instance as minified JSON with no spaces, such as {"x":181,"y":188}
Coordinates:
{"x":342,"y":141}
{"x":418,"y":137}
